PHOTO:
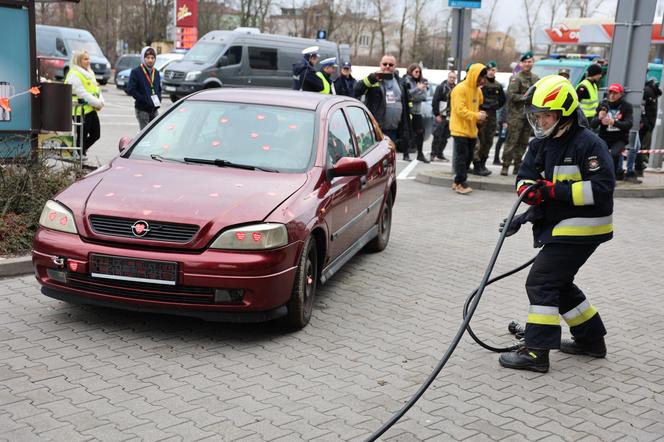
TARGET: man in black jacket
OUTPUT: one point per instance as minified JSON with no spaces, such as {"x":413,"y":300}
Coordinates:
{"x":304,"y":72}
{"x":651,"y":92}
{"x":345,"y":83}
{"x":614,"y":119}
{"x":388,"y":102}
{"x":441,"y":111}
{"x":145,"y":86}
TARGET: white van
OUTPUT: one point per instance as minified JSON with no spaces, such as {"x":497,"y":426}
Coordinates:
{"x":57,"y":44}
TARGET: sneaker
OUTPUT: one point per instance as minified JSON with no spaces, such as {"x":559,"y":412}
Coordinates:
{"x":422,"y":158}
{"x":504,"y":170}
{"x":442,"y":158}
{"x":526,"y":359}
{"x":463,"y":189}
{"x":596,"y":349}
{"x":454,"y":186}
{"x":432,"y":158}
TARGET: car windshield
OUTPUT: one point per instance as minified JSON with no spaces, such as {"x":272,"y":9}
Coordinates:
{"x":90,"y":46}
{"x":222,"y":133}
{"x":575,"y":73}
{"x":204,"y":52}
{"x":161,"y":62}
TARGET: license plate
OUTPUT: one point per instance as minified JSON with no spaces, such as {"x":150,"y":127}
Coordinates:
{"x":133,"y":269}
{"x":170,"y":88}
{"x":120,"y":83}
{"x":99,"y":77}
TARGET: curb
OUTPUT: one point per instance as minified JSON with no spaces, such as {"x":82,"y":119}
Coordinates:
{"x":445,"y":179}
{"x":21,"y":265}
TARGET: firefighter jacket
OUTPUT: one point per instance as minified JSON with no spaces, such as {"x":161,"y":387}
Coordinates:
{"x":494,"y":96}
{"x":465,"y":100}
{"x":581,"y":167}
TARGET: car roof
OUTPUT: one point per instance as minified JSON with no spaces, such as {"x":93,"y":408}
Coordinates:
{"x":270,"y":97}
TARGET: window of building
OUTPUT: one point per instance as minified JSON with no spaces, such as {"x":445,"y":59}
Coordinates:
{"x":364,"y":40}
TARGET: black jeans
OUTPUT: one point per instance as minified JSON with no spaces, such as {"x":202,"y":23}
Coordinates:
{"x":462,"y":157}
{"x":91,"y":130}
{"x":441,"y":133}
{"x":418,"y":133}
{"x":550,"y":286}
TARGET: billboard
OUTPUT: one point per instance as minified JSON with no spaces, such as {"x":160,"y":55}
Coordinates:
{"x":186,"y":23}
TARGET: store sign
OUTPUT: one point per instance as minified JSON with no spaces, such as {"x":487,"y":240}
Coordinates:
{"x":562,"y":35}
{"x":186,"y":13}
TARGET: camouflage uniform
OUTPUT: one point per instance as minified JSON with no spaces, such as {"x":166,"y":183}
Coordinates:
{"x":518,"y":129}
{"x":494,"y":99}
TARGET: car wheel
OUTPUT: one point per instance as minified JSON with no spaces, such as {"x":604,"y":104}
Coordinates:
{"x":379,"y":243}
{"x":103,"y":82}
{"x":173,"y":98}
{"x":301,"y":302}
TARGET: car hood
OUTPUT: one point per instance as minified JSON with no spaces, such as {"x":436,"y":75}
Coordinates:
{"x":210,"y":197}
{"x":124,"y":73}
{"x":186,"y":66}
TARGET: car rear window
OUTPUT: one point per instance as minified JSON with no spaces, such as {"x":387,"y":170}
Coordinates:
{"x":269,"y":137}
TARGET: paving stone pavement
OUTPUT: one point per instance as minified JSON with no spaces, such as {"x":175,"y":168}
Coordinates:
{"x":83,"y":373}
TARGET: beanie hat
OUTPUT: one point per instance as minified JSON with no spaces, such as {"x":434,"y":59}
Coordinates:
{"x":593,"y":69}
{"x":148,"y":50}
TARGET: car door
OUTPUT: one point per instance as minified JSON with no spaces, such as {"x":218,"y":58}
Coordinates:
{"x":344,"y":214}
{"x":231,"y":67}
{"x":374,"y":184}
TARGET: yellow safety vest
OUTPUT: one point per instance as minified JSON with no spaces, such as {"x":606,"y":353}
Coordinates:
{"x":326,"y":84}
{"x":589,"y":105}
{"x":90,"y":86}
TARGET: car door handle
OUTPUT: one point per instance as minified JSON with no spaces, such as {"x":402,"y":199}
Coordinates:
{"x":363,"y":182}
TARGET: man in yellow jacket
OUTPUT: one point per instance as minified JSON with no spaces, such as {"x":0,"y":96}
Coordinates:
{"x":465,"y":101}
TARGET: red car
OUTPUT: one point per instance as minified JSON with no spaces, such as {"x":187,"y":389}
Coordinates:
{"x":232,"y":206}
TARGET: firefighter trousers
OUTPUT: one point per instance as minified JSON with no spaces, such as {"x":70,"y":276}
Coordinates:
{"x":552,"y":293}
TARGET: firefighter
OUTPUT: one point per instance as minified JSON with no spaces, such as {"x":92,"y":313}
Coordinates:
{"x":327,"y":68}
{"x":588,"y":92}
{"x":518,"y":130}
{"x":571,"y":214}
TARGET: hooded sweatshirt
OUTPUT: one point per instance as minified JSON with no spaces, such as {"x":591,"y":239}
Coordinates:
{"x":139,"y":86}
{"x":465,"y":100}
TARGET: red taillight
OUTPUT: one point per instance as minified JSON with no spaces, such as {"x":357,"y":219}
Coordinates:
{"x":240,"y":235}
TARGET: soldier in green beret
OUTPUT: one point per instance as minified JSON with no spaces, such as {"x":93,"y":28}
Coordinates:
{"x":494,"y":99}
{"x":518,"y":129}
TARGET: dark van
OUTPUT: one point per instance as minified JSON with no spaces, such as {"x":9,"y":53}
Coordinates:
{"x":55,"y":46}
{"x":241,"y":59}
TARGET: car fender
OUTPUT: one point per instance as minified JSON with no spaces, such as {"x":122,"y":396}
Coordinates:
{"x":212,"y":82}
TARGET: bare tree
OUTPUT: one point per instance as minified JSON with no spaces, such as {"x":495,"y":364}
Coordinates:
{"x":402,"y":27}
{"x":382,"y":9}
{"x":532,"y":11}
{"x":489,"y":23}
{"x":418,"y":40}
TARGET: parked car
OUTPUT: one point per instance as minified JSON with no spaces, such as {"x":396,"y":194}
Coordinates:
{"x":242,"y":59}
{"x":57,"y":44}
{"x":163,"y":60}
{"x":127,"y":61}
{"x":233,"y":205}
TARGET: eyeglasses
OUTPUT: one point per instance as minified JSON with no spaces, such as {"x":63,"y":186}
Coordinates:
{"x":388,"y":64}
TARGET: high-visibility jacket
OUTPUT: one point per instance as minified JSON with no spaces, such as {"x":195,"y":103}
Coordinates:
{"x":328,"y":88}
{"x":90,"y":86}
{"x":589,"y":105}
{"x":581,"y":167}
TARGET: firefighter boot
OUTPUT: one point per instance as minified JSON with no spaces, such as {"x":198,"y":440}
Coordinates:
{"x":596,"y":349}
{"x":526,"y":359}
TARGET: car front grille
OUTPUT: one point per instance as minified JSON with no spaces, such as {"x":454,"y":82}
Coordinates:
{"x":139,"y":290}
{"x":173,"y":75}
{"x":158,"y":231}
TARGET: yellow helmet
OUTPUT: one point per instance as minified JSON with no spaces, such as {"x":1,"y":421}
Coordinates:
{"x":552,"y":93}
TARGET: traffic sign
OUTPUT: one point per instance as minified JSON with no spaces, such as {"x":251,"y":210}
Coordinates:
{"x":465,"y":4}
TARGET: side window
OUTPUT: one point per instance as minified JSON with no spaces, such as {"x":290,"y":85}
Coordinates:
{"x":263,"y":58}
{"x":339,"y":141}
{"x":363,"y":130}
{"x":234,"y":54}
{"x":60,"y":46}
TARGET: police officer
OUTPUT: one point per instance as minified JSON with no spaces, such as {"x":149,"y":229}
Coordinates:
{"x":587,"y":91}
{"x":327,"y":68}
{"x":304,"y":72}
{"x":345,"y":83}
{"x":571,"y":214}
{"x":494,"y":99}
{"x":518,"y":130}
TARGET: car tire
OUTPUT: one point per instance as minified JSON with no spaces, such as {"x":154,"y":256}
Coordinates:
{"x":103,"y":82}
{"x":379,"y":243}
{"x":301,"y":302}
{"x":173,"y":98}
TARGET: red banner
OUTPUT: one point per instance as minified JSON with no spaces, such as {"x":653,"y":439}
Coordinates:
{"x":186,"y":13}
{"x":563,"y":35}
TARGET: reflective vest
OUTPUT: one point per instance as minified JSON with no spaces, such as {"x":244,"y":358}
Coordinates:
{"x":589,"y":105}
{"x":90,"y":86}
{"x":328,"y":88}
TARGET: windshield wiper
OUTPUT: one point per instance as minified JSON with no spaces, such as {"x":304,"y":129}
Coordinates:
{"x":158,"y":157}
{"x":225,"y":163}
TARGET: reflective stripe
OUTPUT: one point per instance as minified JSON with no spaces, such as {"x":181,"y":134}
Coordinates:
{"x":526,"y":182}
{"x":543,"y":315}
{"x":584,"y":226}
{"x":566,"y":173}
{"x":589,"y":105}
{"x":580,"y":314}
{"x":582,"y":193}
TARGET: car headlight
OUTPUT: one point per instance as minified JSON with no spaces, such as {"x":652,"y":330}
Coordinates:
{"x":254,"y":237}
{"x":191,"y":76}
{"x":57,"y":217}
{"x":108,"y":65}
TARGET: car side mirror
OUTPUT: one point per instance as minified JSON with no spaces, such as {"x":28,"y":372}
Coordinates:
{"x":223,"y":61}
{"x":124,"y":143}
{"x":348,"y":166}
